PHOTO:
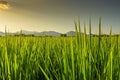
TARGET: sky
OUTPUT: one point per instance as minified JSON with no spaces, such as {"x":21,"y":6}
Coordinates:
{"x":58,"y":15}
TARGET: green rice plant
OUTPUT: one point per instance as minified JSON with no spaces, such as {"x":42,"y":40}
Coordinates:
{"x":90,"y":48}
{"x":81,"y":57}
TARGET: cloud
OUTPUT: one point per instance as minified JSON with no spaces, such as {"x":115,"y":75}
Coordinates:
{"x":4,"y":5}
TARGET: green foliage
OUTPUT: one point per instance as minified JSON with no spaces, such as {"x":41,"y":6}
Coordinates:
{"x":61,"y":58}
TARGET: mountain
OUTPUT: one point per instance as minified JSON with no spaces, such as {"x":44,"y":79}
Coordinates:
{"x":44,"y":33}
{"x":25,"y":32}
{"x":2,"y":34}
{"x":71,"y":33}
{"x":50,"y":33}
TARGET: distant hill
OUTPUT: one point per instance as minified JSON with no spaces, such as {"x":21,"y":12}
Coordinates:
{"x":25,"y":32}
{"x":71,"y":33}
{"x":44,"y":33}
{"x":2,"y":34}
{"x":50,"y":33}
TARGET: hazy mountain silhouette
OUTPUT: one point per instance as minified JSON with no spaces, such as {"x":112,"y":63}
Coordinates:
{"x":71,"y":33}
{"x":2,"y":34}
{"x":50,"y":33}
{"x":44,"y":33}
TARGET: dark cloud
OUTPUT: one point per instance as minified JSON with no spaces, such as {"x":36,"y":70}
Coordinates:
{"x":3,"y":2}
{"x":63,"y":11}
{"x":4,"y":5}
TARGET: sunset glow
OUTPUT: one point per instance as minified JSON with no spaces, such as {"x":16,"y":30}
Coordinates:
{"x":4,"y":6}
{"x":52,"y":15}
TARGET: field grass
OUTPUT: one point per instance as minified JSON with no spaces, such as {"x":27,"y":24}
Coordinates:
{"x":60,"y":58}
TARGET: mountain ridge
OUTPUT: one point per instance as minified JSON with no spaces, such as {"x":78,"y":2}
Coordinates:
{"x":43,"y":33}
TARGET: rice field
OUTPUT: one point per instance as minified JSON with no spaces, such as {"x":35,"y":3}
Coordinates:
{"x":61,"y":58}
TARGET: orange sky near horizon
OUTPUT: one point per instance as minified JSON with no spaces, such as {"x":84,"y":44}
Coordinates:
{"x":52,"y":15}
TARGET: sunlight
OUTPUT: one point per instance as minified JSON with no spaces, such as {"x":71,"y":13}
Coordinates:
{"x":4,"y":7}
